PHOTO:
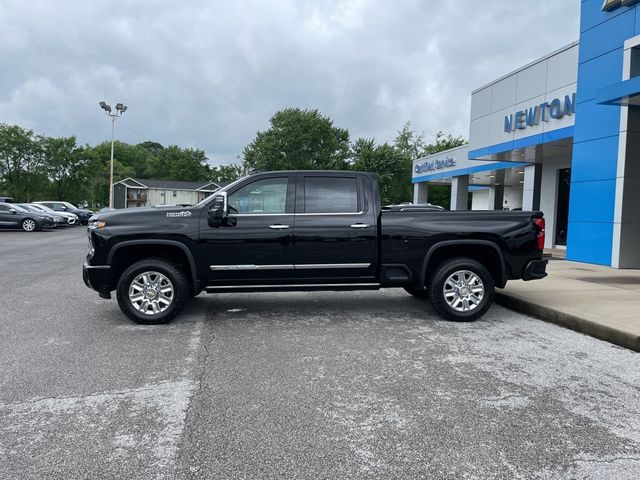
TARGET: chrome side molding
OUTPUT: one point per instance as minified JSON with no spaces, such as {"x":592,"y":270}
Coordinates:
{"x":304,"y":266}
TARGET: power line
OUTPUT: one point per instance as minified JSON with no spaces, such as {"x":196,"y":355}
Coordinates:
{"x":141,"y":135}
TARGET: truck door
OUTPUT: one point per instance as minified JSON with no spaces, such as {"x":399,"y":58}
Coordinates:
{"x":255,"y":245}
{"x":335,"y":230}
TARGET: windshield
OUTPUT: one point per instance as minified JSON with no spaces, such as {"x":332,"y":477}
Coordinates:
{"x":69,"y":205}
{"x":222,"y":189}
{"x":28,"y":208}
{"x":43,"y":208}
{"x":19,"y":208}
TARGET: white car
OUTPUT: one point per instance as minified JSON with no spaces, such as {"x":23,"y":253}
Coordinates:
{"x":71,"y":218}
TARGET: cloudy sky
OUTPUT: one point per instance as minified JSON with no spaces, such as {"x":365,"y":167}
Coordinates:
{"x":209,"y":74}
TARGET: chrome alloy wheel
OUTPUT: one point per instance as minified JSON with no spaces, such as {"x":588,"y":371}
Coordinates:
{"x":463,"y":290}
{"x":151,"y":293}
{"x":28,"y":225}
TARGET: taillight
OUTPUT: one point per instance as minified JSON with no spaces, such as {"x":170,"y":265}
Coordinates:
{"x":539,"y":222}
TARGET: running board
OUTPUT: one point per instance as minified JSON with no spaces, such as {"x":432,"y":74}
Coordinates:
{"x":293,"y":288}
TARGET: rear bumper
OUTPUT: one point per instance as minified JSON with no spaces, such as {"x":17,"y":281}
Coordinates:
{"x":535,"y":270}
{"x":97,"y":277}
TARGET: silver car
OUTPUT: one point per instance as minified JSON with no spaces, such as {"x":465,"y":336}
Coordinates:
{"x":70,"y":218}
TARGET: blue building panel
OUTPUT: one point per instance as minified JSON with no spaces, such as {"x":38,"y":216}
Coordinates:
{"x":530,"y":141}
{"x":595,"y":149}
{"x":592,"y":202}
{"x":588,"y":241}
{"x":595,"y":160}
{"x":619,"y":93}
{"x":596,"y":121}
{"x":606,"y":36}
{"x":598,"y":72}
{"x":592,"y":15}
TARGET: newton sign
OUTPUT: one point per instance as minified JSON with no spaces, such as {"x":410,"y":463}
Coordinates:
{"x":532,"y":116}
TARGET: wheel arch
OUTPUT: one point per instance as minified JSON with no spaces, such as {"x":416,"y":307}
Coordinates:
{"x":134,"y":250}
{"x":485,"y":251}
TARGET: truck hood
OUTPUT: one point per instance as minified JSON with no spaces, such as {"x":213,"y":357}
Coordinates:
{"x":145,"y":216}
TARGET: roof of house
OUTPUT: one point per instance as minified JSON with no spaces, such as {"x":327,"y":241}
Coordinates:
{"x":171,"y":184}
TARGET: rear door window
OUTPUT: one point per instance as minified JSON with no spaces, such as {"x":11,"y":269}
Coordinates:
{"x":331,"y":195}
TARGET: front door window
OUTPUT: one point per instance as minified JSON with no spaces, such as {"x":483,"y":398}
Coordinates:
{"x":268,"y":196}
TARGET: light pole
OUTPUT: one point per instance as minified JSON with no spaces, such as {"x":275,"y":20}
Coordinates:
{"x":120,"y":109}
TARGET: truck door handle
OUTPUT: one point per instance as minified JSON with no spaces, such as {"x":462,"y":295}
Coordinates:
{"x":359,"y":225}
{"x":277,"y":226}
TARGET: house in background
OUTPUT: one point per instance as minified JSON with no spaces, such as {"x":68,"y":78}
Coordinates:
{"x":133,"y":192}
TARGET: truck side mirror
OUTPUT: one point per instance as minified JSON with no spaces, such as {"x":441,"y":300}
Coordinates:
{"x":218,"y":210}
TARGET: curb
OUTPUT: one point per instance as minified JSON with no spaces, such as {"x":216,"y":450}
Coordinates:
{"x":573,"y":322}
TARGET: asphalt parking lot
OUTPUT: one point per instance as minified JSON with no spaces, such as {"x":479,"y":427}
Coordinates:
{"x":304,"y":385}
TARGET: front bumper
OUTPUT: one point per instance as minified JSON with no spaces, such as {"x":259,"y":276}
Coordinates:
{"x":46,"y":223}
{"x":97,"y":277}
{"x":535,"y":270}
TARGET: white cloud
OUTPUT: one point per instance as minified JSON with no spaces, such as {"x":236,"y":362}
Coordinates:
{"x":210,"y":74}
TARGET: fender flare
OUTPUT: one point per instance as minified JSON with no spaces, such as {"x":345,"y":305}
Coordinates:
{"x":486,"y":243}
{"x":172,"y":243}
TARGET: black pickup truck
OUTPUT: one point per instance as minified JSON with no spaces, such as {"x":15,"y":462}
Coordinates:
{"x":308,"y":230}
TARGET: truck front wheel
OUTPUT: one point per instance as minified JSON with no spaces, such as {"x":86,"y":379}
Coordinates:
{"x":152,"y":291}
{"x":461,"y":289}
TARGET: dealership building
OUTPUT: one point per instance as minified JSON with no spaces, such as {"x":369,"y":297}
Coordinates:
{"x":560,"y":135}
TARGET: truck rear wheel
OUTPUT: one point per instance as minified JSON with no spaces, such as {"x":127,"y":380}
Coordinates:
{"x":152,"y":291}
{"x":461,"y":289}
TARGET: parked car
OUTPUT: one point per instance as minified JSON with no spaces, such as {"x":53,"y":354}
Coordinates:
{"x":309,"y":230}
{"x":57,"y":219}
{"x":70,"y":218}
{"x":13,"y":216}
{"x":6,"y":200}
{"x":83,"y":215}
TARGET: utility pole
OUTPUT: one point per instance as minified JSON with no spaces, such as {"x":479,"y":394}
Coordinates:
{"x":120,"y":109}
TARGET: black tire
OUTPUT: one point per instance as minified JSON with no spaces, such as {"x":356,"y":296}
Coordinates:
{"x":417,"y":292}
{"x":163,"y":270}
{"x":29,"y":225}
{"x":437,"y":286}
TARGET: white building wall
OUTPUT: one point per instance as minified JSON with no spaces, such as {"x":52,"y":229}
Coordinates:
{"x":480,"y":200}
{"x":553,"y":76}
{"x":167,"y":197}
{"x":512,"y":197}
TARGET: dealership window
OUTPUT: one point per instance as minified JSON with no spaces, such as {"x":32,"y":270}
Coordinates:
{"x":330,"y":195}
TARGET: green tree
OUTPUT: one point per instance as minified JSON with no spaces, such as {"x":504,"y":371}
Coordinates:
{"x":415,"y":146}
{"x":99,"y":158}
{"x":65,"y":165}
{"x":175,"y":163}
{"x":392,"y":166}
{"x":298,"y":140}
{"x":227,"y":173}
{"x":21,"y":161}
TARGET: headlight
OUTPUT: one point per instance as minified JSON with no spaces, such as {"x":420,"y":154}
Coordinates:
{"x":97,"y":224}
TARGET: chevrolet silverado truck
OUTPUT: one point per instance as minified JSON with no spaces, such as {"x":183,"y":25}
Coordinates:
{"x":304,"y":231}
